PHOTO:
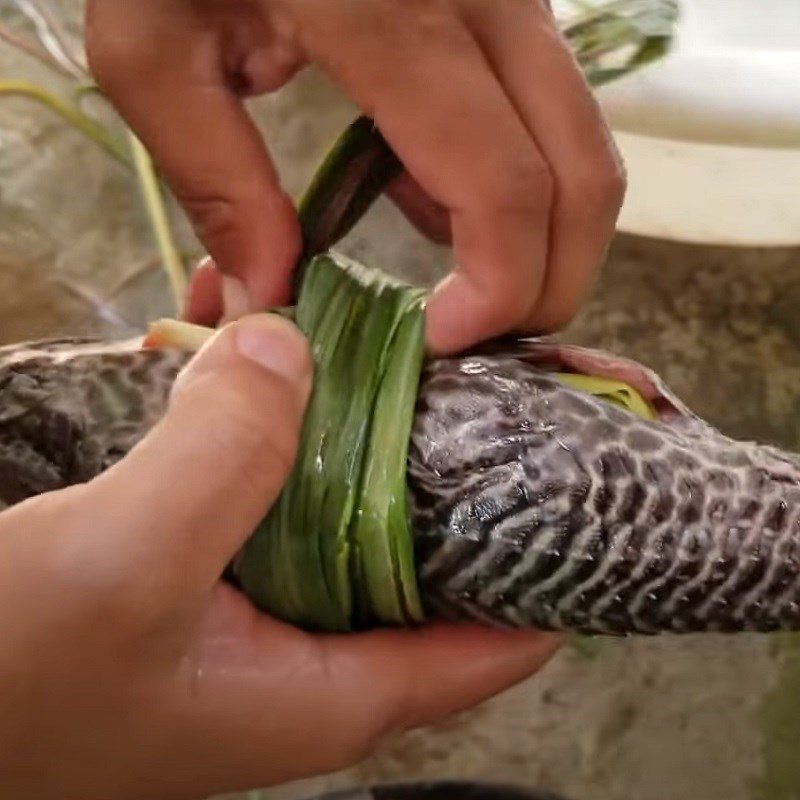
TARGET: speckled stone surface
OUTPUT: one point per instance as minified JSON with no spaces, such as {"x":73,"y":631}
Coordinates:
{"x":666,"y":719}
{"x":720,"y":325}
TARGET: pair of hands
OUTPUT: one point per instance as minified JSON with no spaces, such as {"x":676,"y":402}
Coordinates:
{"x":126,"y":668}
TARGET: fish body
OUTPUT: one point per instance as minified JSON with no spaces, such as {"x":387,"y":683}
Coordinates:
{"x":533,"y":504}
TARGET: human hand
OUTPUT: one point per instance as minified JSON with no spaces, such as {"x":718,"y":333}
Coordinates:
{"x":505,"y":149}
{"x":129,"y":670}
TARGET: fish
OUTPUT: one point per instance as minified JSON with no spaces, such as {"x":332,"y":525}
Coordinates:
{"x":533,"y":504}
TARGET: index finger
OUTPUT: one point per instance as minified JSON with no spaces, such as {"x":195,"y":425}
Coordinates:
{"x":174,"y":93}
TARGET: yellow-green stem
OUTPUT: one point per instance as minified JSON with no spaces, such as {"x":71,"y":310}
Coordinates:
{"x":159,"y":220}
{"x":86,"y":125}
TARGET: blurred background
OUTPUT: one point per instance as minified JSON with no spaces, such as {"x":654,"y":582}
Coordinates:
{"x":713,"y":307}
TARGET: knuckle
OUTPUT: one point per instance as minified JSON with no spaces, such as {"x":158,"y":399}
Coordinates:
{"x":611,"y":182}
{"x":598,"y":190}
{"x":422,"y":11}
{"x":505,"y":301}
{"x":223,"y":219}
{"x":432,"y":18}
{"x":525,"y":186}
{"x":136,"y":605}
{"x":271,"y":447}
{"x":386,"y":709}
{"x":508,"y":301}
{"x":401,"y":710}
{"x":359,"y":743}
{"x":426,"y":25}
{"x":123,"y":46}
{"x":363,"y":740}
{"x":213,"y":217}
{"x":107,"y":62}
{"x":100,"y":585}
{"x":513,"y":304}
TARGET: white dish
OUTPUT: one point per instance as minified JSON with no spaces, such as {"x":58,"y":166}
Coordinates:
{"x":706,"y":194}
{"x":711,"y":134}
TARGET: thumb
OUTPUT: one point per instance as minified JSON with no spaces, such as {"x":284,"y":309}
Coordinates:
{"x":196,"y":487}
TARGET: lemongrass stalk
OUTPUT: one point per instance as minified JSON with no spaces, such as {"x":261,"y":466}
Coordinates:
{"x":612,"y":391}
{"x":176,"y":335}
{"x":77,"y":119}
{"x":640,"y":30}
{"x":159,"y":220}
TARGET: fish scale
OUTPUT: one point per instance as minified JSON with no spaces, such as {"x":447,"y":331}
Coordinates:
{"x":70,"y":408}
{"x":639,"y":526}
{"x":533,"y":504}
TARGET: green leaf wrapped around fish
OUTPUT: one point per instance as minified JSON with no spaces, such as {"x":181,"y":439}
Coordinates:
{"x":335,"y":551}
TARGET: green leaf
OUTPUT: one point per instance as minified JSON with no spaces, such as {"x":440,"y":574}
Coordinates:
{"x":382,"y":537}
{"x":335,"y":551}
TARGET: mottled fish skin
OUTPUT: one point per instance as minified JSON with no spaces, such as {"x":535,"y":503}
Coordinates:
{"x":533,"y":504}
{"x":537,"y":505}
{"x":71,"y":408}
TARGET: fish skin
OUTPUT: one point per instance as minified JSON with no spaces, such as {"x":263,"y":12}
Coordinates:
{"x":537,"y":505}
{"x":532,"y":504}
{"x":71,"y":408}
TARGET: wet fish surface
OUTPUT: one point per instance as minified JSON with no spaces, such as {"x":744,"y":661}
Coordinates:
{"x":537,"y":505}
{"x":533,"y":504}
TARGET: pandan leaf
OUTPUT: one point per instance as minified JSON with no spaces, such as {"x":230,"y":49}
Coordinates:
{"x":381,"y":531}
{"x":335,"y":551}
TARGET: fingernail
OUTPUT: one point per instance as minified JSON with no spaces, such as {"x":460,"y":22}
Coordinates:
{"x":206,"y":262}
{"x":203,"y":303}
{"x":275,"y":344}
{"x":235,"y":300}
